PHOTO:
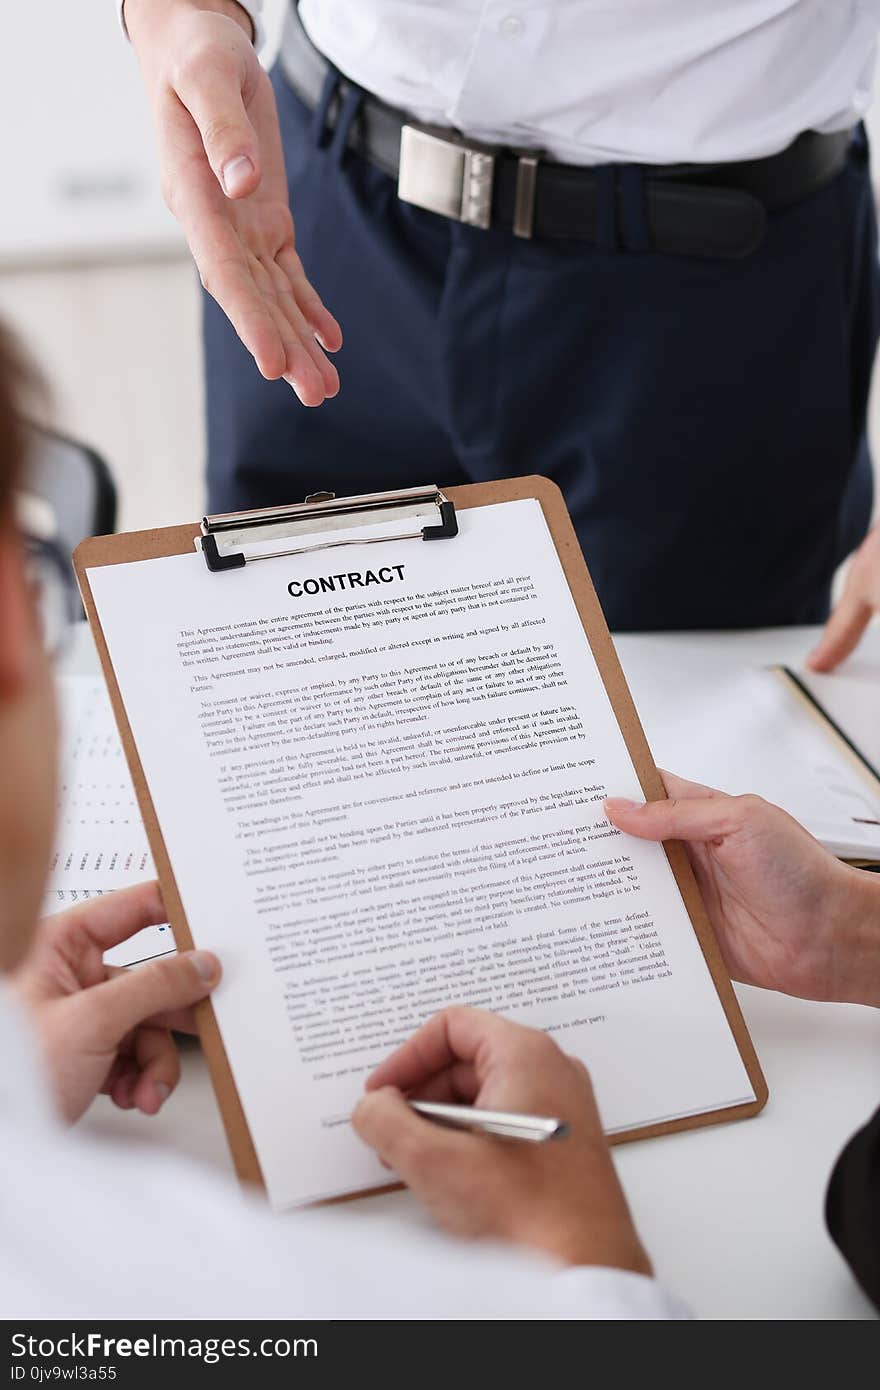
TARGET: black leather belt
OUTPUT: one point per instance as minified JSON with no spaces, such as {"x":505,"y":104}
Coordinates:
{"x":717,"y":210}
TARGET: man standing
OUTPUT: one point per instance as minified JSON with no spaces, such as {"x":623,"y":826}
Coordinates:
{"x":632,"y":247}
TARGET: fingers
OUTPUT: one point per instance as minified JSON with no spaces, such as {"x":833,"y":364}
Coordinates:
{"x":457,"y":1085}
{"x":123,"y":1002}
{"x":323,"y":324}
{"x":300,"y":371}
{"x":121,"y":1082}
{"x":700,"y":817}
{"x":563,"y":1199}
{"x":262,"y":308}
{"x":177,"y":1021}
{"x":244,"y":248}
{"x":210,"y":85}
{"x":677,"y":789}
{"x":227,"y":277}
{"x":145,"y":1072}
{"x":302,"y":333}
{"x":681,"y":787}
{"x":404,"y":1140}
{"x":842,"y":633}
{"x":158,"y":1069}
{"x":113,"y":918}
{"x":453,"y":1036}
{"x":306,"y":369}
{"x":858,"y":604}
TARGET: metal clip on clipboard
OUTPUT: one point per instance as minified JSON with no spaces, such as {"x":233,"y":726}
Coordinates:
{"x":224,"y":538}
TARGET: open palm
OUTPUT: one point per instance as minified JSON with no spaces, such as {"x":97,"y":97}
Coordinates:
{"x":224,"y":179}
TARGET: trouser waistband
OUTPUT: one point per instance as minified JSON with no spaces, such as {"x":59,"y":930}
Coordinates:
{"x":717,"y":210}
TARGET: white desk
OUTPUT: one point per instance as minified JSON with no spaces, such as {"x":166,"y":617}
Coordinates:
{"x":731,"y":1215}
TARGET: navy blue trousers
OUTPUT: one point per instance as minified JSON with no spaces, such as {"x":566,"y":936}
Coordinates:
{"x":705,"y":419}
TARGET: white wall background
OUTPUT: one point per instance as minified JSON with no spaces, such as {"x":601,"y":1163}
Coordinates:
{"x":93,"y":272}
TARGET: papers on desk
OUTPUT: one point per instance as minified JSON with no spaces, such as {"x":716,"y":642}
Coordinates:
{"x":100,"y":841}
{"x":854,"y":705}
{"x":753,"y":730}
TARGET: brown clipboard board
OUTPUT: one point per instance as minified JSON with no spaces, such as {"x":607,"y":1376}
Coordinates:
{"x":179,"y":540}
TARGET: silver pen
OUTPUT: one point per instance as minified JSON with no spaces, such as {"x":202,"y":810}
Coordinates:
{"x":534,"y":1129}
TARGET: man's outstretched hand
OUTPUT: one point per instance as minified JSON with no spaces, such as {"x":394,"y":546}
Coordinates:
{"x":223,"y":177}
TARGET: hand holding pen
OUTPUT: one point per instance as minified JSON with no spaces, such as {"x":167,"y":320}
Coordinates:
{"x":560,"y":1198}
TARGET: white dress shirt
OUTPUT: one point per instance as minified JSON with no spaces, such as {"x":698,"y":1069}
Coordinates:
{"x":592,"y":81}
{"x":91,"y":1230}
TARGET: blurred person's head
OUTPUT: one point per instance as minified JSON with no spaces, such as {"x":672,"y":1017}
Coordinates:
{"x":28,"y":734}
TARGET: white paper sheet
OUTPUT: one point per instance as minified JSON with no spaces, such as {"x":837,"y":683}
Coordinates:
{"x":100,"y":841}
{"x":853,"y":702}
{"x":383,"y":797}
{"x":712,"y":720}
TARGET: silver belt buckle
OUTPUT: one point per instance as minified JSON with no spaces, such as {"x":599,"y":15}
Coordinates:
{"x":440,"y":174}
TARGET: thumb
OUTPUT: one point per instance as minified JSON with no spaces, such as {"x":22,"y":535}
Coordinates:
{"x":120,"y":1004}
{"x":212,"y":93}
{"x":841,"y":633}
{"x":691,"y":818}
{"x":402,"y":1139}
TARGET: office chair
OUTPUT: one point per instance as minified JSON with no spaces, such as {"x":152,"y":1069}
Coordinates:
{"x":76,"y":484}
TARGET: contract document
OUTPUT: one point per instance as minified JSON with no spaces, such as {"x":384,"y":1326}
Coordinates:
{"x":378,"y":773}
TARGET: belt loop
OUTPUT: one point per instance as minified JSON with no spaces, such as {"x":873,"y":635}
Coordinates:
{"x":606,"y":207}
{"x":524,"y":198}
{"x":351,"y":105}
{"x":634,"y":208}
{"x":322,"y":110}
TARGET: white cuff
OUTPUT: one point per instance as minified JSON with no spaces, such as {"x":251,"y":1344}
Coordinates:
{"x":607,"y":1295}
{"x":251,"y":7}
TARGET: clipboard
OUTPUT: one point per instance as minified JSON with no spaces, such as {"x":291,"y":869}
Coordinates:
{"x":233,"y":540}
{"x":829,"y":725}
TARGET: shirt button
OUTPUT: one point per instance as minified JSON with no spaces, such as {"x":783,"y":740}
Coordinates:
{"x":511,"y":26}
